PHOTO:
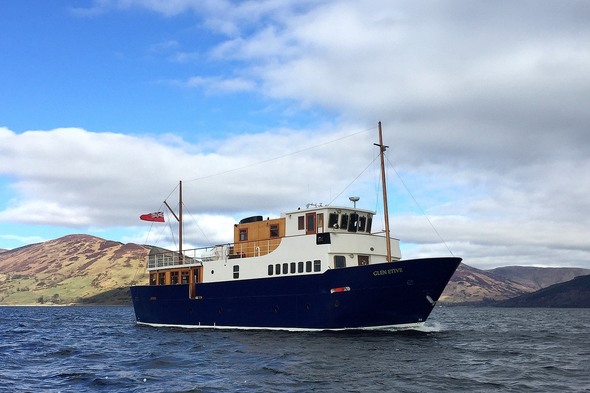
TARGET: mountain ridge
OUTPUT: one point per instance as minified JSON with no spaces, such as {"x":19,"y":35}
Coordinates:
{"x":86,"y":269}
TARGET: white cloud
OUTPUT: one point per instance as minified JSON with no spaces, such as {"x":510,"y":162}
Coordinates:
{"x":485,"y":107}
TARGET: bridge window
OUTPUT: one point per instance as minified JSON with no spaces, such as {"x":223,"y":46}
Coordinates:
{"x":369,"y":223}
{"x":333,"y":221}
{"x":352,"y":225}
{"x":344,"y":221}
{"x":362,"y":223}
{"x":301,"y":223}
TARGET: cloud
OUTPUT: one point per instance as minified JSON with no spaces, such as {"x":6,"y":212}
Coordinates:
{"x":484,"y":106}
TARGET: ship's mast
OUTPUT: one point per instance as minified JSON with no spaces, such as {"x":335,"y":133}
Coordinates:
{"x":180,"y":224}
{"x":382,"y":149}
{"x":179,"y":219}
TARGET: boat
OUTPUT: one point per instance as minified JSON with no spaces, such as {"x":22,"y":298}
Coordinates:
{"x":315,"y":268}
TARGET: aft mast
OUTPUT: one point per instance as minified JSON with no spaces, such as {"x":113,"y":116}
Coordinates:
{"x":382,"y":149}
{"x":179,"y":219}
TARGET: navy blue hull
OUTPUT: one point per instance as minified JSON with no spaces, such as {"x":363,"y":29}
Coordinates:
{"x":379,"y":295}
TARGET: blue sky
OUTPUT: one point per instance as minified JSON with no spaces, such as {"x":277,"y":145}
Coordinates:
{"x":264,"y":106}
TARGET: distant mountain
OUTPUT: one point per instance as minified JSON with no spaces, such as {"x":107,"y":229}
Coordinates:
{"x":474,"y":286}
{"x":538,"y":278}
{"x":571,"y":294}
{"x":69,"y":269}
{"x":90,"y":270}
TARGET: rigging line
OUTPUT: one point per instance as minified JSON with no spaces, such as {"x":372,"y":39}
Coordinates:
{"x":420,"y":207}
{"x":197,"y":224}
{"x":277,"y":158}
{"x":355,"y":179}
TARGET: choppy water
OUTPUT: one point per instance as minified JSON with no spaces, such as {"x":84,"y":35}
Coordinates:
{"x":74,"y":349}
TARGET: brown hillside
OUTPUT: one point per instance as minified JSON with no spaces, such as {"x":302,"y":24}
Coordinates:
{"x":68,"y":269}
{"x":471,"y":285}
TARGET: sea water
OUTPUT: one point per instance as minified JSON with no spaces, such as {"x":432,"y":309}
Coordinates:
{"x":77,"y":349}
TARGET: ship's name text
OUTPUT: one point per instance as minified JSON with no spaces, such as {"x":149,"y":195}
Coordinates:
{"x":388,"y":271}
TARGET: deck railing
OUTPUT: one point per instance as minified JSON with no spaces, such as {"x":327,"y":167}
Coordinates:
{"x":197,"y":256}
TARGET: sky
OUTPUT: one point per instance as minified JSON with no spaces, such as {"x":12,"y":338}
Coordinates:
{"x":261,"y":107}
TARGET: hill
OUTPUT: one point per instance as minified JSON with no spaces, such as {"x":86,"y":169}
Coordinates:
{"x":481,"y":287}
{"x":90,"y":270}
{"x":69,"y":270}
{"x":571,"y":294}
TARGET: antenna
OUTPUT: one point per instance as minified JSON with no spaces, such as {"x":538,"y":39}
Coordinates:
{"x":354,"y":200}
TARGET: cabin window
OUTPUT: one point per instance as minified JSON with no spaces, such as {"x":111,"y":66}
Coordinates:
{"x":153,"y":278}
{"x":270,"y":270}
{"x":293,"y":267}
{"x":285,"y":268}
{"x":320,"y":222}
{"x":184,"y":277}
{"x":301,"y":223}
{"x":299,"y":267}
{"x":236,"y":271}
{"x":369,"y":223}
{"x":278,"y":268}
{"x":308,"y":266}
{"x":344,"y":221}
{"x":274,"y":230}
{"x":174,"y":278}
{"x":317,"y":265}
{"x":362,"y":223}
{"x":243,"y":234}
{"x":333,"y":221}
{"x":339,"y":261}
{"x":162,"y":278}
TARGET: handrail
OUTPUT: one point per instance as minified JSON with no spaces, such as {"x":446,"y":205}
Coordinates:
{"x":222,"y":252}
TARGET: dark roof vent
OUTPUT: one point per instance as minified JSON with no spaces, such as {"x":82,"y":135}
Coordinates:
{"x":250,"y":219}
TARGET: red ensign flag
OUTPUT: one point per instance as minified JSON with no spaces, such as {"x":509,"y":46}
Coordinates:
{"x":157,"y":216}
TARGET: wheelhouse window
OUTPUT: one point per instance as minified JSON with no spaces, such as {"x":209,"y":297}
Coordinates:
{"x":301,"y":223}
{"x":274,"y":230}
{"x":369,"y":223}
{"x":333,"y":221}
{"x":344,"y":221}
{"x":352,"y":224}
{"x":362,"y":223}
{"x":243,"y":234}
